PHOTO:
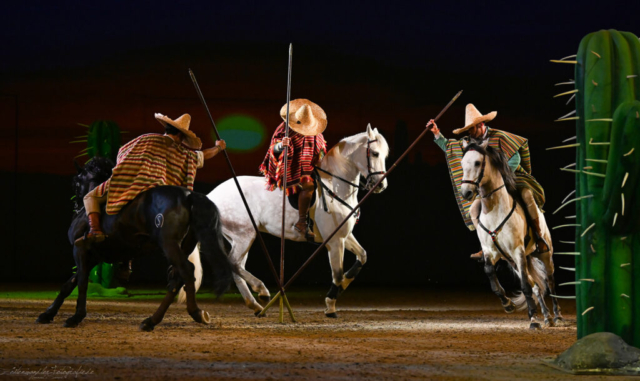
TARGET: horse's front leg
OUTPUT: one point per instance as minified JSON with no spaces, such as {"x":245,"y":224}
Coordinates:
{"x":523,"y":272}
{"x":336,"y":256}
{"x":353,"y":246}
{"x":490,"y":271}
{"x":83,"y":266}
{"x":51,"y":312}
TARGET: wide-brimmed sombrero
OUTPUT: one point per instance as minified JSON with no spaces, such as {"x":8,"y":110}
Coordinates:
{"x":473,"y":117}
{"x":182,"y":124}
{"x":305,"y":117}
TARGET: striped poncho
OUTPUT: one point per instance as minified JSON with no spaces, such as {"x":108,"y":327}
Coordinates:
{"x":304,"y":153}
{"x":509,"y":144}
{"x":146,"y":162}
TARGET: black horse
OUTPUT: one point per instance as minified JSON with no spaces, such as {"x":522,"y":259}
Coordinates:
{"x":167,"y":219}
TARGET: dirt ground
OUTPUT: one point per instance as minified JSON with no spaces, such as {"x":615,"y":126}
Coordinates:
{"x":380,"y":334}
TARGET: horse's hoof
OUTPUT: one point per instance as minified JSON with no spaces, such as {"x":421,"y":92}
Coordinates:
{"x":331,"y":315}
{"x":259,"y":314}
{"x":147,"y":325}
{"x":44,"y":318}
{"x":558,"y":321}
{"x":548,"y":322}
{"x":201,"y":316}
{"x":535,"y":326}
{"x":265,"y":298}
{"x":509,"y":308}
{"x":72,"y":322}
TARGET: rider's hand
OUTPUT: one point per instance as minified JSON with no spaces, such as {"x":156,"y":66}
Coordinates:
{"x":221,"y":144}
{"x":286,"y":142}
{"x":433,"y":127}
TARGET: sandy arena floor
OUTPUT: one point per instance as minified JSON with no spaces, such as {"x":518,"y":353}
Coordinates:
{"x":380,"y":334}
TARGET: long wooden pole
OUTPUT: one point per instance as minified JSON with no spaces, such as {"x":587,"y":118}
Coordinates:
{"x":304,"y":265}
{"x":235,"y":179}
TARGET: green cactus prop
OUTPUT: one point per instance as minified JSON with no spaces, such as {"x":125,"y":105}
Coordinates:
{"x":103,"y":140}
{"x":607,"y":89}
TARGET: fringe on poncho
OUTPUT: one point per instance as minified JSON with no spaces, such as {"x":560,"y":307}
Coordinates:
{"x":307,"y":151}
{"x":146,"y":162}
{"x":509,"y":144}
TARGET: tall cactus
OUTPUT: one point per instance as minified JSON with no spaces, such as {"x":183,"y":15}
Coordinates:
{"x":608,"y":184}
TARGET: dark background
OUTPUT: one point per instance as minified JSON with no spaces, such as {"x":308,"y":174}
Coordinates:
{"x":392,"y":64}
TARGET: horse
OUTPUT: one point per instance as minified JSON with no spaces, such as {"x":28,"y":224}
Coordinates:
{"x":338,"y":178}
{"x":487,"y":174}
{"x":168,"y":219}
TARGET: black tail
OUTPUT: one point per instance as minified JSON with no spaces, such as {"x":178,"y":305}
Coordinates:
{"x":205,"y":220}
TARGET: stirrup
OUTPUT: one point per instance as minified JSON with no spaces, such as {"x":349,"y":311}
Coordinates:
{"x":306,"y":233}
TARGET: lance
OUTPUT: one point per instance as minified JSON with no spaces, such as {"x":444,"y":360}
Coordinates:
{"x":304,"y":265}
{"x":235,"y":179}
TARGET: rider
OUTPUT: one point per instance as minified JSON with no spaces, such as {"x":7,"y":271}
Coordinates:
{"x":146,"y":162}
{"x":516,"y":149}
{"x":306,"y":145}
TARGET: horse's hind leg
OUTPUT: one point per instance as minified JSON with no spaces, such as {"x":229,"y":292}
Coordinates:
{"x":490,"y":271}
{"x":239,"y":254}
{"x":184,"y":270}
{"x":47,"y":316}
{"x":547,"y":259}
{"x":83,"y":266}
{"x":526,"y":288}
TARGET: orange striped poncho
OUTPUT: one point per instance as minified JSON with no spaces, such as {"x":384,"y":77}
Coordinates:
{"x":146,"y":162}
{"x":304,"y":153}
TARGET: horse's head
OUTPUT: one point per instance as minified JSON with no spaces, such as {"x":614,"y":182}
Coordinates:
{"x":94,"y":173}
{"x":368,"y":152}
{"x":474,"y":166}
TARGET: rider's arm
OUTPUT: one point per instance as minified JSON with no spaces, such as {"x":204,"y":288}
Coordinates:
{"x":211,"y":152}
{"x":514,"y":162}
{"x":441,"y":141}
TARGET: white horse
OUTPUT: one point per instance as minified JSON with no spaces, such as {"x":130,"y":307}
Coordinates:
{"x":363,"y":154}
{"x":504,"y":234}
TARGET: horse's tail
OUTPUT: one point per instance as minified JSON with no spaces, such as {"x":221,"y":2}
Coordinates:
{"x":195,"y":259}
{"x":538,"y":274}
{"x":205,"y":220}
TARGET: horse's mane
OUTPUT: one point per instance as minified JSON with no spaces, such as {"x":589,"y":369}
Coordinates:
{"x":501,"y":163}
{"x":98,"y":169}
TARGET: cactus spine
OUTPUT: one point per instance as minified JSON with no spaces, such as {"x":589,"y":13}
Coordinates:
{"x":608,"y":168}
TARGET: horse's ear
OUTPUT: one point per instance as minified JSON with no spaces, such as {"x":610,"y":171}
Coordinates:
{"x":370,"y":132}
{"x":78,"y":167}
{"x":465,"y":143}
{"x":484,"y":144}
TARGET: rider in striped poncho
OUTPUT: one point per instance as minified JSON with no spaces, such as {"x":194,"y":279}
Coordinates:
{"x":146,"y":162}
{"x":307,"y":146}
{"x":516,"y":149}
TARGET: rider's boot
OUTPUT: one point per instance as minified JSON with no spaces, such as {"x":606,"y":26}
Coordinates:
{"x":479,"y":256}
{"x":304,"y":202}
{"x":95,"y":232}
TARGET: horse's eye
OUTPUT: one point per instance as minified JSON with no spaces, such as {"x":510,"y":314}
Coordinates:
{"x":376,"y":154}
{"x":477,"y":163}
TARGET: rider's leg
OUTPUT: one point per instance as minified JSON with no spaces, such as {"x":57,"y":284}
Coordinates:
{"x":475,"y":210}
{"x":304,"y":202}
{"x":92,"y":205}
{"x":533,"y":214}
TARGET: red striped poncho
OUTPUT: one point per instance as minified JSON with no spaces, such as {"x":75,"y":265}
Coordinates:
{"x":304,"y":153}
{"x":146,"y":162}
{"x":509,"y":144}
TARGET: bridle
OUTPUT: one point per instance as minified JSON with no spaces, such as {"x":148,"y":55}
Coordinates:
{"x":369,"y":166}
{"x":479,"y":179}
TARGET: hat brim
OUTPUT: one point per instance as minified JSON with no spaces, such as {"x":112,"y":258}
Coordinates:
{"x":484,"y":118}
{"x":191,"y":140}
{"x":315,"y":127}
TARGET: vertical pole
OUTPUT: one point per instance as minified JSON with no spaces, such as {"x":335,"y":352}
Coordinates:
{"x":284,"y":180}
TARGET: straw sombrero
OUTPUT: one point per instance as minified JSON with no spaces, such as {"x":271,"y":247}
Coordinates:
{"x":473,"y":117}
{"x":305,"y":117}
{"x":182,"y":124}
